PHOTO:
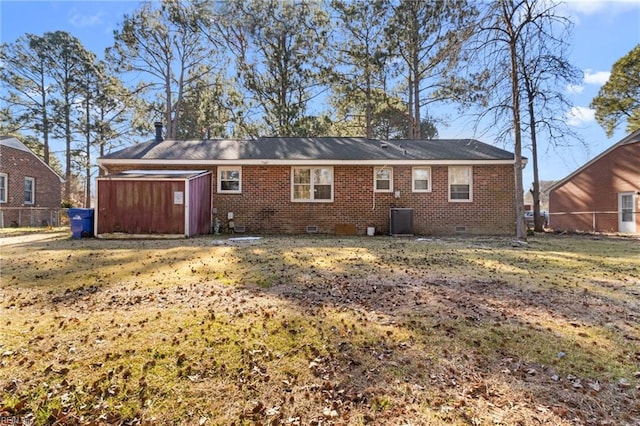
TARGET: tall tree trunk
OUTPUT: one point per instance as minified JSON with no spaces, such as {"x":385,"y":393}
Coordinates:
{"x":168,"y":117}
{"x":410,"y":123}
{"x":537,"y":219}
{"x":521,"y":230}
{"x":416,"y":96}
{"x":87,"y":191}
{"x":45,"y":121}
{"x":369,"y":110}
{"x":67,"y":132}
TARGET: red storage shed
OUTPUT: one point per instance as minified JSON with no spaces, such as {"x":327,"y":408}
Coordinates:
{"x":172,"y":202}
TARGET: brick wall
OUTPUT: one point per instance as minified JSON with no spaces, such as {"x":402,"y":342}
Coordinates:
{"x":265,"y":205}
{"x":48,"y":189}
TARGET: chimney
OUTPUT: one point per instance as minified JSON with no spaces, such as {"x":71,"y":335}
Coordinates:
{"x":158,"y":125}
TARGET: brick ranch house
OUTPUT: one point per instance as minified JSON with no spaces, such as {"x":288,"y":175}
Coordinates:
{"x":30,"y":191}
{"x":333,"y":185}
{"x":603,"y":195}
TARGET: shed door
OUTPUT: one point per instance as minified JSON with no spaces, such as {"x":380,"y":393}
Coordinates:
{"x":626,"y":213}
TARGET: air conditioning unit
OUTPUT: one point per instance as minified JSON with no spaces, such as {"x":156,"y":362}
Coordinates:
{"x":401,"y":222}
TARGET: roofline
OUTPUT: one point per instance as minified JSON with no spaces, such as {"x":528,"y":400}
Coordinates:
{"x":32,"y":153}
{"x":280,"y":162}
{"x":123,"y":175}
{"x":630,"y":138}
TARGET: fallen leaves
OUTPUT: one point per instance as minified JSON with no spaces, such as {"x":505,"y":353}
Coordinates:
{"x":320,"y":331}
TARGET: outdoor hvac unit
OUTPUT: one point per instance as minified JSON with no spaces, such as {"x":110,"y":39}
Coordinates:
{"x":401,"y":222}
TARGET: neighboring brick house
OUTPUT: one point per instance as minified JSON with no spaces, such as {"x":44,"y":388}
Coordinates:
{"x":603,"y":195}
{"x":342,"y":185}
{"x":30,"y":191}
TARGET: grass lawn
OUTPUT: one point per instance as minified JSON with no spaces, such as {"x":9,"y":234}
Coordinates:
{"x":321,"y":331}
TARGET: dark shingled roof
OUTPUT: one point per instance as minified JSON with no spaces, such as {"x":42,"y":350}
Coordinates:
{"x":327,"y":148}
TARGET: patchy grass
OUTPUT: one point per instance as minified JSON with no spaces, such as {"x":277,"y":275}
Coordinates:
{"x":322,"y":331}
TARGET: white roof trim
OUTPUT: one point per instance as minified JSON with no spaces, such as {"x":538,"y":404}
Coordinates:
{"x":165,"y":172}
{"x":276,"y":162}
{"x":16,"y":144}
{"x":633,"y":137}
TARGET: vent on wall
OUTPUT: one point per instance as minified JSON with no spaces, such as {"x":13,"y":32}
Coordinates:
{"x":461,"y":229}
{"x":312,"y":229}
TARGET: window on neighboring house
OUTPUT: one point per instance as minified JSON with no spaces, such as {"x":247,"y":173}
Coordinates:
{"x":421,"y":179}
{"x":3,"y":187}
{"x":29,"y":190}
{"x":626,"y":207}
{"x":312,"y":184}
{"x":460,"y":183}
{"x":230,"y":180}
{"x":383,"y":179}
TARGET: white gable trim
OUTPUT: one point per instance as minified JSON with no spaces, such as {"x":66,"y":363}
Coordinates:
{"x":16,"y":144}
{"x":634,"y":137}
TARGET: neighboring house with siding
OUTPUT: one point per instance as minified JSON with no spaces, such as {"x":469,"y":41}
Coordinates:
{"x":30,"y":190}
{"x":338,"y":185}
{"x":603,"y":195}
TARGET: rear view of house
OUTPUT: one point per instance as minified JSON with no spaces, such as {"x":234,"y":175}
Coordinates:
{"x":30,"y":191}
{"x":327,"y":185}
{"x":603,"y":195}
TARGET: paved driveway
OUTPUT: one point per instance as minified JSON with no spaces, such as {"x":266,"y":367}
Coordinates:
{"x":31,"y":238}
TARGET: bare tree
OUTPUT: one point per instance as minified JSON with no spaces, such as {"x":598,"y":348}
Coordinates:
{"x":518,"y":54}
{"x":545,"y":73}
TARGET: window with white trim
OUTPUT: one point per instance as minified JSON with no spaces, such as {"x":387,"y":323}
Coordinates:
{"x":421,"y":178}
{"x":312,"y":184}
{"x":383,"y":179}
{"x":29,"y":190}
{"x":3,"y":187}
{"x":460,"y":183}
{"x":230,"y":180}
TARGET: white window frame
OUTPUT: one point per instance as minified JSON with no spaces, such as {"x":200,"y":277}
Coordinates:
{"x":229,"y":169}
{"x":452,"y":172}
{"x":4,"y":187}
{"x":375,"y":179}
{"x":413,"y":179}
{"x":312,"y":184}
{"x":33,"y":190}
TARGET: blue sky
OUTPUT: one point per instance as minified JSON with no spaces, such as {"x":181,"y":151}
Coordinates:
{"x":604,"y":31}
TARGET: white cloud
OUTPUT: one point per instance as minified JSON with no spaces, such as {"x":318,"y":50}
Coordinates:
{"x":585,"y":7}
{"x":574,"y":89}
{"x":79,"y":20}
{"x":579,"y":8}
{"x":579,"y":116}
{"x":598,"y":77}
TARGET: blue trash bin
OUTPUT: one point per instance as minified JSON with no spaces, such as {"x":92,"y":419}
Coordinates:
{"x":81,"y":221}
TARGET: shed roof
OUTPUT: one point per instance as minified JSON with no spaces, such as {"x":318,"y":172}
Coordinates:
{"x":156,"y":174}
{"x":300,"y":149}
